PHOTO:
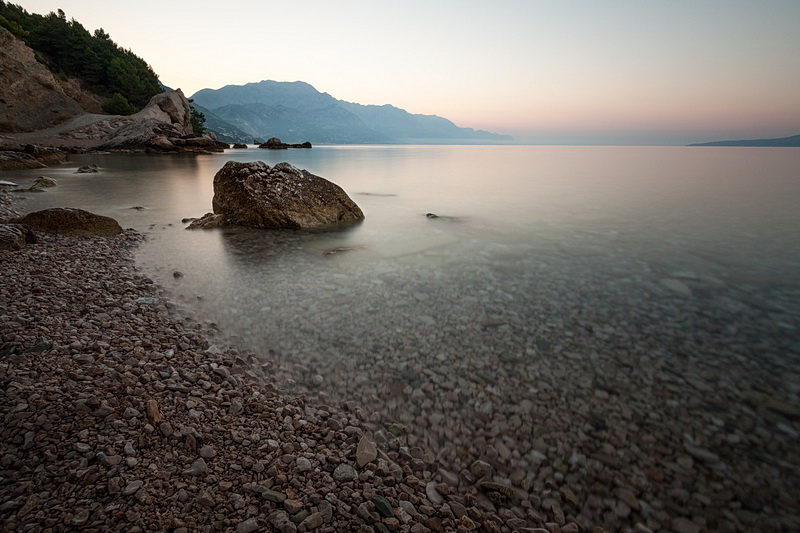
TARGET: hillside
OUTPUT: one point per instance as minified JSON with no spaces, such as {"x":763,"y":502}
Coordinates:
{"x":782,"y":142}
{"x":296,"y":112}
{"x":79,"y":61}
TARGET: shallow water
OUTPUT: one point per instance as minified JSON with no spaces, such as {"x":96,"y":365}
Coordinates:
{"x":552,"y":276}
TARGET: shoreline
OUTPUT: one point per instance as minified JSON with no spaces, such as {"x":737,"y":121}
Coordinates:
{"x":119,"y":413}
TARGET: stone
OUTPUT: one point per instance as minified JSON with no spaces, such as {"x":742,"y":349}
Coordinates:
{"x":313,"y":521}
{"x":275,"y":143}
{"x":281,"y":522}
{"x":344,"y":472}
{"x":280,"y":197}
{"x":198,"y":468}
{"x":88,"y":169}
{"x":366,"y":452}
{"x":480,"y":469}
{"x":16,"y":236}
{"x":382,"y":505}
{"x":71,"y":221}
{"x":208,"y":221}
{"x":247,"y":526}
{"x":207,"y":451}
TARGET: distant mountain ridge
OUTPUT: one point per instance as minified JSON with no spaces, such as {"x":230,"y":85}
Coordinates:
{"x":297,"y":112}
{"x":790,"y":142}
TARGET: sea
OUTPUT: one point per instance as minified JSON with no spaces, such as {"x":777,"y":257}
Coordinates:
{"x":484,"y":278}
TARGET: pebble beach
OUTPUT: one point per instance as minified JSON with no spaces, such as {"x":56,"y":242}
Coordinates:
{"x":122,"y":412}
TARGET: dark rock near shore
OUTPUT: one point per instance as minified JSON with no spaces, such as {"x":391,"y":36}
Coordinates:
{"x":31,"y":156}
{"x":88,"y":169}
{"x":70,"y":221}
{"x":15,"y":236}
{"x":283,"y":196}
{"x":239,"y":146}
{"x":208,"y":221}
{"x":276,"y":144}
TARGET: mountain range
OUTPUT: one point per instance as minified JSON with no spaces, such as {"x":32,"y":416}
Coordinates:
{"x":296,"y":112}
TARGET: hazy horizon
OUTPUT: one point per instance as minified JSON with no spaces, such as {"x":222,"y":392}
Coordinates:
{"x":546,"y":72}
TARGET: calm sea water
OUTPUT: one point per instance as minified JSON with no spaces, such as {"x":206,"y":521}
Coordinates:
{"x":620,"y":227}
{"x":634,"y":301}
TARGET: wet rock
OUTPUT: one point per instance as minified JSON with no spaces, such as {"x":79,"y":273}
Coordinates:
{"x":259,"y":196}
{"x":70,"y":221}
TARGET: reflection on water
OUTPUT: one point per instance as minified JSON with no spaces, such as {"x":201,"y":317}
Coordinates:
{"x":567,"y":303}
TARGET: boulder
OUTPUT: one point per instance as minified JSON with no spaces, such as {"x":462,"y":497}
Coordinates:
{"x":170,"y":107}
{"x":71,"y":221}
{"x":15,"y":236}
{"x":44,"y":182}
{"x":259,"y":196}
{"x":88,"y":169}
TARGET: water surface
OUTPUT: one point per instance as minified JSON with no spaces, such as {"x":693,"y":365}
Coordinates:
{"x":561,"y":291}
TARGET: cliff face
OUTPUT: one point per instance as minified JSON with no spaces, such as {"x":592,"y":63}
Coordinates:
{"x":30,"y":97}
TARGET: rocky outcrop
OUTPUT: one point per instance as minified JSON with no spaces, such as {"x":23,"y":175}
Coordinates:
{"x":15,"y":236}
{"x":71,"y":221}
{"x":276,"y":144}
{"x":164,"y":125}
{"x":259,"y":196}
{"x":31,"y":156}
{"x":30,"y":97}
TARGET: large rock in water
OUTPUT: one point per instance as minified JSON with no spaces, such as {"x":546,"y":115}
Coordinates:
{"x":71,"y":221}
{"x":283,"y":196}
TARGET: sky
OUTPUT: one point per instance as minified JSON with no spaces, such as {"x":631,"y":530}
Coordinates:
{"x":544,"y":71}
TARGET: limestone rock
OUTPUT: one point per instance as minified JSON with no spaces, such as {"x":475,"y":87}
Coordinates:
{"x":280,"y":197}
{"x":70,"y":221}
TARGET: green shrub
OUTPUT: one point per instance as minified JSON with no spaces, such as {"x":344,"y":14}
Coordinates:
{"x":118,"y":105}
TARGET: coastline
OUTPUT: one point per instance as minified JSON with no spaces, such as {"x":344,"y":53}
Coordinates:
{"x":118,"y":413}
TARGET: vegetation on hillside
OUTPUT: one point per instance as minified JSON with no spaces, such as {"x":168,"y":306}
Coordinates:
{"x":68,"y":49}
{"x":198,"y":120}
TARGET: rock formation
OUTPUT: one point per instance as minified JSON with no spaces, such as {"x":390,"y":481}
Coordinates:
{"x":71,"y":221}
{"x":164,"y":125}
{"x":31,"y":156}
{"x":259,"y":196}
{"x":274,"y":143}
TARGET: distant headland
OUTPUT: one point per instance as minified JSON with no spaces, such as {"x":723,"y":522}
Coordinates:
{"x":792,"y":142}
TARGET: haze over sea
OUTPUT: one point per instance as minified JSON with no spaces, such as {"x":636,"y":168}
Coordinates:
{"x":546,"y":268}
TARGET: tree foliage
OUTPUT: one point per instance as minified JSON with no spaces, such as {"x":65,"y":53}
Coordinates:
{"x":118,"y":105}
{"x":70,"y":50}
{"x":198,"y":120}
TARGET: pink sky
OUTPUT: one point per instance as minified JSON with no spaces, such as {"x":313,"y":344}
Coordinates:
{"x":550,"y":71}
